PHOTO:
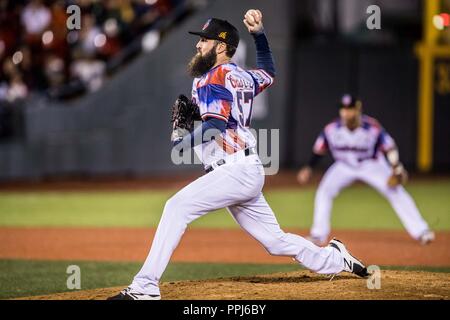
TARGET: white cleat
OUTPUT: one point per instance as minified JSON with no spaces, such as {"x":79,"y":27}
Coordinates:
{"x":427,"y":237}
{"x":130,"y":294}
{"x":351,"y":264}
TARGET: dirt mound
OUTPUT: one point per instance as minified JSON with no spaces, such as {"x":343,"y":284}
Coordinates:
{"x":292,"y":286}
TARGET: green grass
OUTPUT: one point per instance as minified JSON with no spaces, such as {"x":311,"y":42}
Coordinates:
{"x":417,"y":268}
{"x":20,"y":278}
{"x":358,"y":207}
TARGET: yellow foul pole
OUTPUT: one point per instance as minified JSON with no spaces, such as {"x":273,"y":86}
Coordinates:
{"x":426,"y":50}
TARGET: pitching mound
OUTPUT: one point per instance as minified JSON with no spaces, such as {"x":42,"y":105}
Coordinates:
{"x":292,"y":286}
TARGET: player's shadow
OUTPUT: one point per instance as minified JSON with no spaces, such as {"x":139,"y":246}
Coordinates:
{"x":291,"y":279}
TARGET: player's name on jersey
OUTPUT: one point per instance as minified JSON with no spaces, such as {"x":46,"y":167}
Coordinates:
{"x":350,"y":148}
{"x":240,"y":83}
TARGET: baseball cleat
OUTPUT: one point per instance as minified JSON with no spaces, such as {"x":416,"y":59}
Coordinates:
{"x":130,"y":294}
{"x":351,"y":264}
{"x":427,"y":237}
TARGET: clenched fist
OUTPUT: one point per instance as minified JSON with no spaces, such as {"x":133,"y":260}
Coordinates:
{"x":253,"y":21}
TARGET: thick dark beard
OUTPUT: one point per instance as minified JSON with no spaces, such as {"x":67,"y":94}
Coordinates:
{"x":199,"y":65}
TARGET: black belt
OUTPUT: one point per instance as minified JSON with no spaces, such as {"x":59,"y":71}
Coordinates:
{"x":247,"y":152}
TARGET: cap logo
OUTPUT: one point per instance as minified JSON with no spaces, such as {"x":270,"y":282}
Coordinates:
{"x":346,"y":100}
{"x":206,"y":24}
{"x":223,"y":35}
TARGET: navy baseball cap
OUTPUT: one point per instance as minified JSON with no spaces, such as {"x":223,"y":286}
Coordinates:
{"x":349,"y":101}
{"x":220,"y":30}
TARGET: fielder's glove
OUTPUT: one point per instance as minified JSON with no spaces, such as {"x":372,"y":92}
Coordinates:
{"x":184,"y":113}
{"x":399,"y":176}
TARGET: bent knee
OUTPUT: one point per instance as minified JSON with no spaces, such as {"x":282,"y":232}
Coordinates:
{"x":174,"y":207}
{"x":178,"y":200}
{"x":171,"y":205}
{"x":180,"y":210}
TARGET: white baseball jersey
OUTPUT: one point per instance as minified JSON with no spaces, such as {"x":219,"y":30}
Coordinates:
{"x":358,"y":156}
{"x":353,"y":147}
{"x":226,"y":92}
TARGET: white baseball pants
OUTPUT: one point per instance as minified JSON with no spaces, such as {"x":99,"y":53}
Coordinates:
{"x":236,"y":186}
{"x":376,"y":174}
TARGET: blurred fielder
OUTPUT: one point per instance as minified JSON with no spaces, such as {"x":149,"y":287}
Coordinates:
{"x":363,"y":151}
{"x":222,"y":96}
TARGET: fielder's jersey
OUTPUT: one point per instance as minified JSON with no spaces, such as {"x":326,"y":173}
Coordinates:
{"x":226,"y":92}
{"x":352,"y":147}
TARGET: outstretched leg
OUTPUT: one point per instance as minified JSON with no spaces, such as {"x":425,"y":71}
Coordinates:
{"x":217,"y":189}
{"x":257,"y":218}
{"x":377,"y":174}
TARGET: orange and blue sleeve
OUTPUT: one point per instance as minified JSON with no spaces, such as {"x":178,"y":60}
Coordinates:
{"x":261,"y":79}
{"x":217,"y":101}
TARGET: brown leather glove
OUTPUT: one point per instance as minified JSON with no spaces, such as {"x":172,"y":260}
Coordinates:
{"x":399,"y":176}
{"x":184,"y":113}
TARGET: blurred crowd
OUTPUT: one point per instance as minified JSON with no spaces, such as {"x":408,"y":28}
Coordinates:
{"x":38,"y":52}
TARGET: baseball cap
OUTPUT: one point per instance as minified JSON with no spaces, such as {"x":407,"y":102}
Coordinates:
{"x":349,"y":101}
{"x":220,"y":30}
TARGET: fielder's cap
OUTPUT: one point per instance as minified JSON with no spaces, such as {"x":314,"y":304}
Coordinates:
{"x":220,"y":30}
{"x":349,"y":101}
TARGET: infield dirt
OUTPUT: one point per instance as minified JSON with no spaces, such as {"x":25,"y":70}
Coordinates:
{"x":208,"y":245}
{"x":304,"y":285}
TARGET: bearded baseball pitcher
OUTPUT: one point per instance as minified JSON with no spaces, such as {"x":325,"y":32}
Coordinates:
{"x":222,"y":97}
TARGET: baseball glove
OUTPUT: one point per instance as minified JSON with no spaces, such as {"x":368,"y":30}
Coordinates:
{"x":184,"y":113}
{"x":399,"y":177}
